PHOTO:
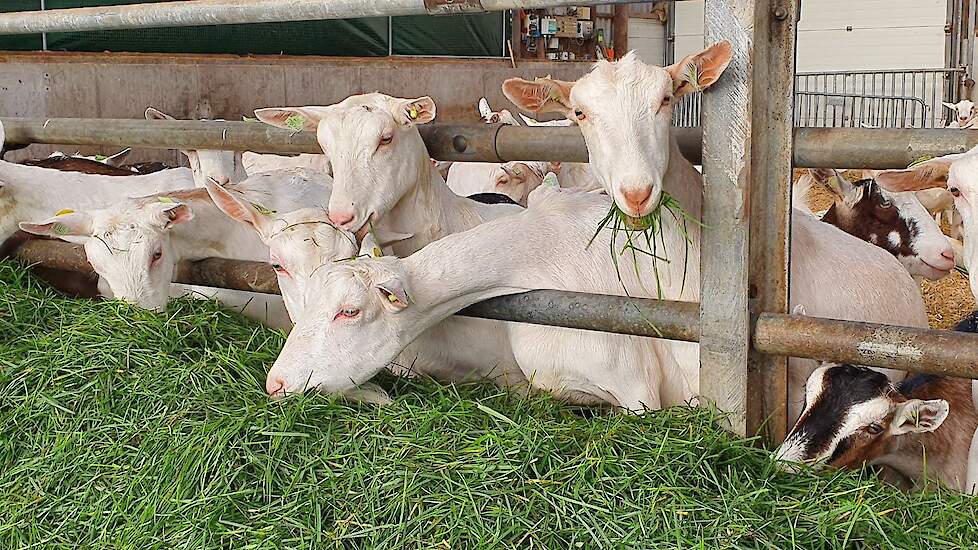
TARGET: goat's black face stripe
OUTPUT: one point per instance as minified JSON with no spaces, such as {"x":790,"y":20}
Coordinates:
{"x":844,"y":445}
{"x":843,"y":387}
{"x":491,"y":198}
{"x":968,"y":324}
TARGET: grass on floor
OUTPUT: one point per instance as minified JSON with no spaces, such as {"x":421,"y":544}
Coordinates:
{"x":124,"y":429}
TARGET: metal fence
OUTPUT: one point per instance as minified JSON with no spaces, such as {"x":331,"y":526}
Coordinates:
{"x":899,"y":98}
{"x":741,"y":325}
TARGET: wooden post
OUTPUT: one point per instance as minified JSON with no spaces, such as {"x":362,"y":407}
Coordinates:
{"x":619,"y":30}
{"x":742,"y":132}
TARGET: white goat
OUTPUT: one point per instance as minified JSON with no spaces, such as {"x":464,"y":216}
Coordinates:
{"x":965,"y":114}
{"x":304,"y":242}
{"x":224,"y":166}
{"x":255,"y":163}
{"x":135,"y":244}
{"x":383,"y":177}
{"x":640,"y":160}
{"x":361,"y":314}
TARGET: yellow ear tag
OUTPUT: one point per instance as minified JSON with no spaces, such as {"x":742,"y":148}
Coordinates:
{"x":413,"y":113}
{"x":65,"y":211}
{"x":165,"y":200}
{"x":377,"y":252}
{"x":391,"y":298}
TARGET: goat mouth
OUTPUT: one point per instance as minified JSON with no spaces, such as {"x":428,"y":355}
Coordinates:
{"x":937,"y":271}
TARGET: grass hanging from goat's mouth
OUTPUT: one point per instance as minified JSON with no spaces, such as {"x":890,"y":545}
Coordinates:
{"x":646,"y":228}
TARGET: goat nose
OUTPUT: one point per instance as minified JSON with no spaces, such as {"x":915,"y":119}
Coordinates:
{"x":341,"y":218}
{"x":275,"y":386}
{"x":949,"y":254}
{"x":637,"y":197}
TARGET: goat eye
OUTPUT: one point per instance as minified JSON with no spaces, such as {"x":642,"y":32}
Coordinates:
{"x":579,"y":114}
{"x":156,"y":256}
{"x":386,"y":139}
{"x":347,"y":313}
{"x":874,"y":429}
{"x":955,"y":191}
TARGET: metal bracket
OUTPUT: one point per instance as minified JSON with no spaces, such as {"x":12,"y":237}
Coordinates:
{"x":453,"y":7}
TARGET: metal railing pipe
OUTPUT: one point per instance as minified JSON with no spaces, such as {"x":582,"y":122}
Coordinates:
{"x":905,"y":348}
{"x":814,"y":147}
{"x":919,"y":350}
{"x":189,"y":13}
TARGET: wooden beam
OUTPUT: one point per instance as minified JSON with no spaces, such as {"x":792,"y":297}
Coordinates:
{"x":619,"y":30}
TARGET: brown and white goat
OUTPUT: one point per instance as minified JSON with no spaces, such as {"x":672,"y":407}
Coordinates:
{"x":922,"y":427}
{"x":896,"y":222}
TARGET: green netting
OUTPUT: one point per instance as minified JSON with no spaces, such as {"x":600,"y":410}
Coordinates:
{"x":464,"y":35}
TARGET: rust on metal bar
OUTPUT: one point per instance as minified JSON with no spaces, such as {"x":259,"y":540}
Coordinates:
{"x":915,"y":349}
{"x":233,"y":274}
{"x":453,"y":7}
{"x":770,"y":206}
{"x":876,"y":148}
{"x":618,"y":314}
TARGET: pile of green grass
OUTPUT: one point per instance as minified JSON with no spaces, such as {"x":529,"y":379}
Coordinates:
{"x":124,"y":429}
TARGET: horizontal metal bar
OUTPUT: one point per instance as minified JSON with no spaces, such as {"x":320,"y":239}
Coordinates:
{"x":914,"y":349}
{"x":880,"y":71}
{"x":227,"y":12}
{"x":618,"y":314}
{"x":471,"y":143}
{"x":814,"y":147}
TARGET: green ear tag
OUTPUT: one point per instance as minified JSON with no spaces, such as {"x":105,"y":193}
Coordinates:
{"x":295,"y":122}
{"x":59,"y":228}
{"x":166,"y":200}
{"x":100,"y":158}
{"x":391,"y":298}
{"x":413,"y":113}
{"x":550,"y":180}
{"x":262,"y":209}
{"x":377,"y":252}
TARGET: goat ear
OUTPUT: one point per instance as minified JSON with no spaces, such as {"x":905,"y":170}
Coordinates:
{"x":248,"y":213}
{"x":169,"y":212}
{"x":156,"y":114}
{"x":375,"y":241}
{"x":833,"y":181}
{"x":696,"y":72}
{"x":543,"y":95}
{"x":411,"y":112}
{"x":951,"y":106}
{"x":923,"y":176}
{"x":917,"y":416}
{"x":296,"y":119}
{"x":484,"y":109}
{"x":118,"y":158}
{"x":72,"y":224}
{"x":393,"y":295}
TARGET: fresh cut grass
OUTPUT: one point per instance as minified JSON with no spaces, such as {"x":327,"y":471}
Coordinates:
{"x":124,"y":429}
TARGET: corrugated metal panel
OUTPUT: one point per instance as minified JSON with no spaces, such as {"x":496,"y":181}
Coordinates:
{"x":647,"y":38}
{"x":886,"y":34}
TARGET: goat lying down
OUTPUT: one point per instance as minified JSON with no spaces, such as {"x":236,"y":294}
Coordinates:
{"x":896,"y":222}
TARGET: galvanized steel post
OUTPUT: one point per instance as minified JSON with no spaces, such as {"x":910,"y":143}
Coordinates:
{"x":727,"y":117}
{"x":770,"y":205}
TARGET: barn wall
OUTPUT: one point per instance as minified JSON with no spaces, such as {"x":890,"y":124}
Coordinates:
{"x":839,"y":35}
{"x":229,"y":87}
